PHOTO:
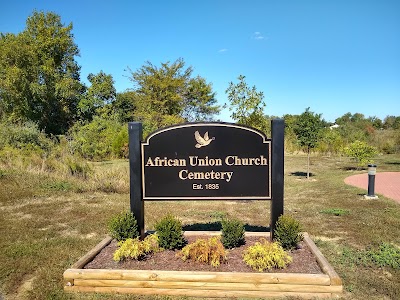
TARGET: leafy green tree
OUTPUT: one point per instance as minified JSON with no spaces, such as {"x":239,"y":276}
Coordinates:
{"x":199,"y":101}
{"x":361,"y":152}
{"x":169,"y":94}
{"x":125,"y":105}
{"x":39,"y":77}
{"x":246,"y":104}
{"x":331,"y":142}
{"x":101,"y":92}
{"x":307,"y":130}
{"x":391,"y":122}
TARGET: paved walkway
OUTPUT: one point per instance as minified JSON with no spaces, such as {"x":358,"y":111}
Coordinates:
{"x":386,"y":183}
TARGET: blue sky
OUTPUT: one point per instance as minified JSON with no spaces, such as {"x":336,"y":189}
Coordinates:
{"x":332,"y":56}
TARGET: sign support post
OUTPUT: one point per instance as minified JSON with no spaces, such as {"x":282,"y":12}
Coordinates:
{"x":277,"y":171}
{"x":206,"y":161}
{"x":135,"y":160}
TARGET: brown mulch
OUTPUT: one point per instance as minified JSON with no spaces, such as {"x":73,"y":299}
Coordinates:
{"x":303,"y":260}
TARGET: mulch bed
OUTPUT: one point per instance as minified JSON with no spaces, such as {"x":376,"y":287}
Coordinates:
{"x":303,"y":260}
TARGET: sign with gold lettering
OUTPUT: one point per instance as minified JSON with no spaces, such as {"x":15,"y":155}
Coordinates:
{"x":206,"y":161}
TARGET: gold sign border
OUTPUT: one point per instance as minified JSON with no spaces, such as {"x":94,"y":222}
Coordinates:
{"x":147,"y":142}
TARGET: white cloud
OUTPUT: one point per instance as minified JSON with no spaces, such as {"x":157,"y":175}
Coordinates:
{"x":257,"y":36}
{"x":222,"y":50}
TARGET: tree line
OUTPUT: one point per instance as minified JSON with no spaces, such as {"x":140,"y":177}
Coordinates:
{"x":40,"y":84}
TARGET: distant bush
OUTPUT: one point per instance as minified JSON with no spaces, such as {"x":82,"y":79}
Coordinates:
{"x":288,"y":232}
{"x":136,"y":249}
{"x":232,"y":233}
{"x":100,"y":139}
{"x":361,"y":152}
{"x":209,"y":251}
{"x":25,"y":135}
{"x":170,"y":234}
{"x":123,"y":226}
{"x":264,"y":255}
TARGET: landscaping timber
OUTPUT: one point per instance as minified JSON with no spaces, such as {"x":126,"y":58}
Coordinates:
{"x":204,"y":284}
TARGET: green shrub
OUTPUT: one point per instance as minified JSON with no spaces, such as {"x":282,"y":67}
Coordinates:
{"x":169,"y":230}
{"x":123,"y":226}
{"x":23,"y":135}
{"x":288,"y":232}
{"x":100,"y":139}
{"x":265,"y":256}
{"x":136,"y":249}
{"x":361,"y":152}
{"x":209,"y":251}
{"x":232,"y":233}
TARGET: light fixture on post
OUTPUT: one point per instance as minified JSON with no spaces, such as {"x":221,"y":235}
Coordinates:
{"x":371,"y":182}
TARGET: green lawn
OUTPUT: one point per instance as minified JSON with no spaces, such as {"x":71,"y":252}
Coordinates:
{"x":47,"y":223}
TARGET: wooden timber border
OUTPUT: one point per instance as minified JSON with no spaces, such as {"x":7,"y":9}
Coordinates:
{"x":204,"y":284}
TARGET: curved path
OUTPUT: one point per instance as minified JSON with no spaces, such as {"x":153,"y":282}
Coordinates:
{"x":386,"y":183}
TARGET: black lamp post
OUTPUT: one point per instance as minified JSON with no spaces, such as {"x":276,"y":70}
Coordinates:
{"x":371,"y":181}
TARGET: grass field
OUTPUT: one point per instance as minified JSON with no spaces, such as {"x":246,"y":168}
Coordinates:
{"x":47,"y":223}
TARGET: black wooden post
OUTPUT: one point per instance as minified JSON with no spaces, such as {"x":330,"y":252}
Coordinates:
{"x":135,"y":171}
{"x":371,"y":180}
{"x":277,"y":169}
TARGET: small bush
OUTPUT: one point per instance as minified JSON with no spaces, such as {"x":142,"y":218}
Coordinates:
{"x":265,"y":256}
{"x":288,"y":232}
{"x":361,"y":152}
{"x":136,"y":249}
{"x":232,"y":233}
{"x":170,"y":234}
{"x":123,"y":226}
{"x":209,"y":251}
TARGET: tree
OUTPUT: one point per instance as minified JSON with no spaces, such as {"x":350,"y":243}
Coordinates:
{"x":101,"y":92}
{"x":199,"y":101}
{"x":391,"y":122}
{"x":307,"y":130}
{"x":331,"y":142}
{"x":39,"y":77}
{"x":246,"y":104}
{"x":125,"y":105}
{"x":168,"y":95}
{"x":361,"y":152}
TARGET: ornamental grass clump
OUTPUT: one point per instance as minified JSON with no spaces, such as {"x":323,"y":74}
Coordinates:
{"x":137,"y":249}
{"x":232,"y":233}
{"x":264,"y":255}
{"x":123,"y":226}
{"x":288,"y":232}
{"x":209,"y":251}
{"x":170,"y":234}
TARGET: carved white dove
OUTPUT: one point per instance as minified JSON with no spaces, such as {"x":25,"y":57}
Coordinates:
{"x":202,"y":141}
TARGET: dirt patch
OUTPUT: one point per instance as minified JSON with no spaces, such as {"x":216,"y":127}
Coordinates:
{"x":303,"y":260}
